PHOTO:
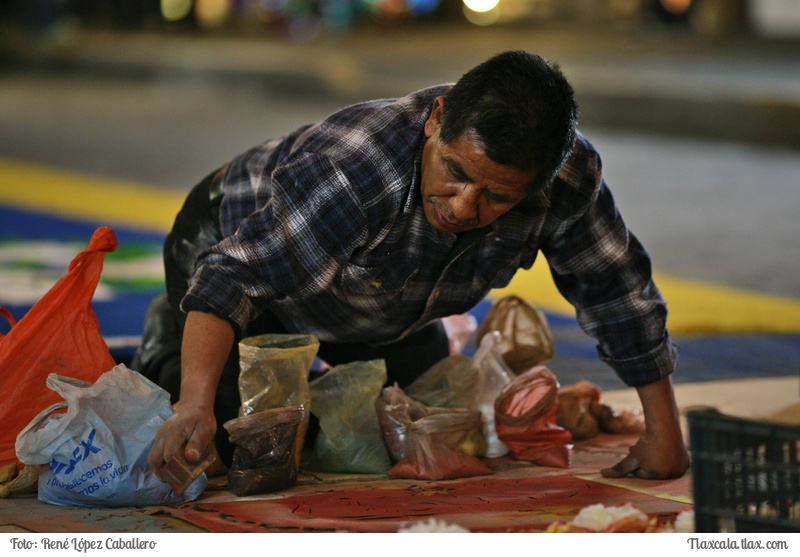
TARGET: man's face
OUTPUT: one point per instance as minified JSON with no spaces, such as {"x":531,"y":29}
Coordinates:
{"x":462,"y":188}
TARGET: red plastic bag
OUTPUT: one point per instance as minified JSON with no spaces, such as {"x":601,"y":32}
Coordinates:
{"x":60,"y":334}
{"x":525,"y":419}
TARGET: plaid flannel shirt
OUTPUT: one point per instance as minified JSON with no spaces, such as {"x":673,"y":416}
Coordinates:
{"x":325,"y":228}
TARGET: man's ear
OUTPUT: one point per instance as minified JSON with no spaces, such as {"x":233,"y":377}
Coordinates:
{"x":434,"y":121}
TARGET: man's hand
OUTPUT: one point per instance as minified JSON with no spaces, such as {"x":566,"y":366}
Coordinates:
{"x":652,"y":459}
{"x":660,"y":452}
{"x":207,"y":341}
{"x":189,"y":430}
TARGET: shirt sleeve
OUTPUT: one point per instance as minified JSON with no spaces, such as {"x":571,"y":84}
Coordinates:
{"x":603,"y":270}
{"x":293,"y":246}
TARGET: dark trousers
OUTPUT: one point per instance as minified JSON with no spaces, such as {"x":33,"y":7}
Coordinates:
{"x":197,"y":227}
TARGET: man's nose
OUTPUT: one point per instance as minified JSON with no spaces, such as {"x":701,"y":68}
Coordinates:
{"x":464,"y":205}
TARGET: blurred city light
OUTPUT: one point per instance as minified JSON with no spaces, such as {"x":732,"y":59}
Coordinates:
{"x":175,"y":10}
{"x":304,"y":20}
{"x":481,"y":6}
{"x":422,"y":7}
{"x":300,"y":20}
{"x":676,"y":6}
{"x":212,"y":13}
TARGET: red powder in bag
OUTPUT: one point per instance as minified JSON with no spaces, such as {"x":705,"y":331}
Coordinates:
{"x":442,"y":446}
{"x":525,"y":419}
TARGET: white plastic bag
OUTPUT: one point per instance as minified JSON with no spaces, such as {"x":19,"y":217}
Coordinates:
{"x":494,"y":375}
{"x":97,"y":450}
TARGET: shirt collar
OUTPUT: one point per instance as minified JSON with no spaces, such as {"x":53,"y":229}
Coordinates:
{"x":414,"y":198}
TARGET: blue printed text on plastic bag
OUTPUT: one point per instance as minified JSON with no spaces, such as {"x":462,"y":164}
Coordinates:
{"x":97,"y":450}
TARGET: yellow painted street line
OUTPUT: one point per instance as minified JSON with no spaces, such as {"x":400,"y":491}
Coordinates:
{"x":694,"y":307}
{"x":89,"y":198}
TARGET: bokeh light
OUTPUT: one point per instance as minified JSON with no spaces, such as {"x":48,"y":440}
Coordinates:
{"x":212,"y":13}
{"x":481,"y":6}
{"x":175,"y":10}
{"x":422,"y":7}
{"x":676,"y":6}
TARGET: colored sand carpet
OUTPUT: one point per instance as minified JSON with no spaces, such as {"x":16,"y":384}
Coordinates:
{"x":724,"y":333}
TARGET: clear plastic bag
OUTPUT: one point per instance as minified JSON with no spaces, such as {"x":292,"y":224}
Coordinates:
{"x":450,"y":383}
{"x":350,"y":438}
{"x":459,"y":381}
{"x":264,"y":457}
{"x":526,"y":340}
{"x":443,"y":445}
{"x":97,"y":451}
{"x":493,"y":377}
{"x":397,"y":412}
{"x":273,"y":373}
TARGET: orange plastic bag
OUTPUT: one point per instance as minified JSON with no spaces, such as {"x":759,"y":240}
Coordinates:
{"x":525,"y":419}
{"x":60,"y":334}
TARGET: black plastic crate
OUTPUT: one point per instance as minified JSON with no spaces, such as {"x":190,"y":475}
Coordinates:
{"x":745,"y":474}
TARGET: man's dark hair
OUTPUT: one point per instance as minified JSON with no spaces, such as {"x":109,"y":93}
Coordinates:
{"x":522,"y":109}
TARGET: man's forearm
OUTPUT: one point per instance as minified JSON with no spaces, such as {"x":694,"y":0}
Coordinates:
{"x":207,"y":342}
{"x":660,"y":453}
{"x":660,"y":408}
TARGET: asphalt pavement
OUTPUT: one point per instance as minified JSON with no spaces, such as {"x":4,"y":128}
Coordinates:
{"x":666,"y":81}
{"x":705,"y":165}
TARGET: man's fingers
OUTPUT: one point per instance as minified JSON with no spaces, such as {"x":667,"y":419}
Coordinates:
{"x":175,"y":437}
{"x":184,"y":436}
{"x":156,"y":457}
{"x":643,"y":474}
{"x":194,"y":448}
{"x":627,"y":465}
